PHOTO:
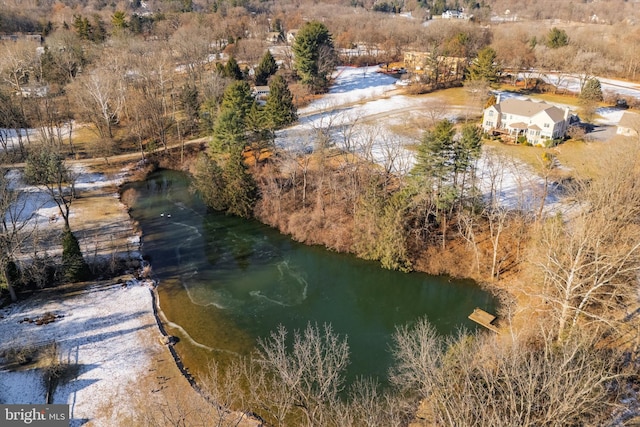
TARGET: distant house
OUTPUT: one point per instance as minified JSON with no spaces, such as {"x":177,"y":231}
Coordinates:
{"x":629,"y":124}
{"x":537,"y":121}
{"x":446,"y":67}
{"x":37,"y":38}
{"x":260,"y":93}
{"x":455,"y":14}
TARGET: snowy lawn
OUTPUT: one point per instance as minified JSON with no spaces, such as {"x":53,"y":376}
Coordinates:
{"x":100,"y":333}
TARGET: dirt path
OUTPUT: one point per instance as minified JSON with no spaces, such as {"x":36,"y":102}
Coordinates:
{"x":118,"y":158}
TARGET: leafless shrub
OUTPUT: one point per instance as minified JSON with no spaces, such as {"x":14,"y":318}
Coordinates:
{"x":577,"y":133}
{"x":482,"y":381}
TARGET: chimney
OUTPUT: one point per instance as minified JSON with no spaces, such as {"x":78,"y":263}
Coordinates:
{"x":498,"y":96}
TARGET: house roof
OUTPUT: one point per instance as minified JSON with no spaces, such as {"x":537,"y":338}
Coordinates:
{"x":535,"y":127}
{"x":629,"y":120}
{"x":518,"y":125}
{"x":528,"y":108}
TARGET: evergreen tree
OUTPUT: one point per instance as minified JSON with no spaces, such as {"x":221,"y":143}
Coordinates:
{"x":590,"y":95}
{"x":435,"y":152}
{"x":240,"y":188}
{"x":434,"y":174}
{"x":592,"y":90}
{"x":259,"y":135}
{"x":314,"y":55}
{"x":466,"y":150}
{"x":119,"y":20}
{"x":82,"y":26}
{"x":229,"y":188}
{"x":209,"y":182}
{"x":279,"y":109}
{"x":232,"y":69}
{"x":266,"y":69}
{"x":484,"y":67}
{"x":230,"y":127}
{"x":556,"y":38}
{"x":73,"y":264}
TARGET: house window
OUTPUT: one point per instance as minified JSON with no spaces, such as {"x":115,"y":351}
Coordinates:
{"x":504,"y":117}
{"x":489,"y":123}
{"x":491,"y":112}
{"x":546,"y":125}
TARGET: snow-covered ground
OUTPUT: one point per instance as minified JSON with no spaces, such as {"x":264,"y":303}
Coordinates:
{"x":37,"y":210}
{"x":102,"y":331}
{"x":358,"y":112}
{"x":10,"y":139}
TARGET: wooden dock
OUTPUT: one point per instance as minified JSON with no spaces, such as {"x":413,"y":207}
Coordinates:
{"x":485,"y":319}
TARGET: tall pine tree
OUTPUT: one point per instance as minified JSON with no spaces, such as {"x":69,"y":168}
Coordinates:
{"x":232,"y":69}
{"x":230,"y":127}
{"x":279,"y":110}
{"x":266,"y":69}
{"x":485,"y":67}
{"x":314,"y":55}
{"x":240,"y":188}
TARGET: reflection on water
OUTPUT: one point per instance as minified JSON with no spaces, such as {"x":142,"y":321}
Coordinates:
{"x":225,"y":282}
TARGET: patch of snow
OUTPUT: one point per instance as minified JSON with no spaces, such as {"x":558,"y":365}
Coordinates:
{"x":352,"y":85}
{"x":10,"y":139}
{"x":101,"y":332}
{"x":609,"y":115}
{"x":94,"y":180}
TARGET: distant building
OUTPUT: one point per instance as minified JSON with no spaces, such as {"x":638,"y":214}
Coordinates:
{"x":445,"y":67}
{"x":455,"y":14}
{"x":260,"y":93}
{"x":537,"y":121}
{"x":629,"y":124}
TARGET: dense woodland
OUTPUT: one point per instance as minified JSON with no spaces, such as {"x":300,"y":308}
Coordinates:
{"x":147,"y":77}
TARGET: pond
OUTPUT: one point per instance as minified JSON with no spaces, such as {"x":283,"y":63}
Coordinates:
{"x":225,"y":282}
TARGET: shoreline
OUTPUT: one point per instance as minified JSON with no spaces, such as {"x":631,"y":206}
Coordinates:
{"x":148,"y":341}
{"x":108,"y":333}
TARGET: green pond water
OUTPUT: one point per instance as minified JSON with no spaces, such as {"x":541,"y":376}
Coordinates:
{"x":225,"y":282}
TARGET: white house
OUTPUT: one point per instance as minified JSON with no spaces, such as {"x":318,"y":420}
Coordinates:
{"x":537,"y":121}
{"x":260,"y":93}
{"x":455,"y":14}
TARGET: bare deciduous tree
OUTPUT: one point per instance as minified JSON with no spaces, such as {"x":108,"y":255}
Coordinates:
{"x":99,"y":98}
{"x":311,"y":369}
{"x":480,"y":381}
{"x":46,"y":168}
{"x":16,"y":228}
{"x":590,"y":261}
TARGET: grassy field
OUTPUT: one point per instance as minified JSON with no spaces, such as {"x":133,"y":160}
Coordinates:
{"x":576,"y":158}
